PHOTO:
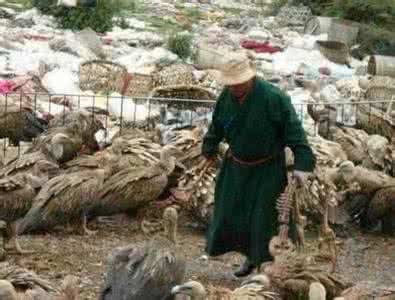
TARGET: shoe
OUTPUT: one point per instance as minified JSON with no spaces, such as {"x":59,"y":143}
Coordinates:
{"x":246,"y":269}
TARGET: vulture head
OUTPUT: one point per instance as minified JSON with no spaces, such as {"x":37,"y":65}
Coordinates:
{"x":346,"y":171}
{"x":279,"y":247}
{"x":101,"y":137}
{"x":118,"y":144}
{"x":61,"y":147}
{"x":7,"y":291}
{"x":170,"y":220}
{"x":193,"y":289}
{"x":317,"y":291}
{"x":364,"y":83}
{"x":168,"y":158}
{"x":34,"y":181}
{"x":261,"y":280}
{"x":45,"y":169}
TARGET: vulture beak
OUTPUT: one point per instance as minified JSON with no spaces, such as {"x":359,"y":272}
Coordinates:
{"x":181,"y":165}
{"x":259,"y":279}
{"x":249,"y":281}
{"x":36,"y":182}
{"x":181,"y":289}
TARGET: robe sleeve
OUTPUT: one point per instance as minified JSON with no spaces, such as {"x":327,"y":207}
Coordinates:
{"x":294,"y":135}
{"x":214,"y":134}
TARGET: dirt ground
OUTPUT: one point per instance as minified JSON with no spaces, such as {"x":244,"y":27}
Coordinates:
{"x":362,"y":257}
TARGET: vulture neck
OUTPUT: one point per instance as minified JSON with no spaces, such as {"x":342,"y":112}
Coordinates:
{"x":167,"y":162}
{"x":171,"y":230}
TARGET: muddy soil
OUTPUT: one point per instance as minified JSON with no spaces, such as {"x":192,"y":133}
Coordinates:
{"x":362,"y":257}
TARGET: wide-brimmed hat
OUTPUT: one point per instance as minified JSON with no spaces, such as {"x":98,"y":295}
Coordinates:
{"x":236,"y":68}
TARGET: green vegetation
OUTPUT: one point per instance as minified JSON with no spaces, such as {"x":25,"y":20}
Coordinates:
{"x":163,"y":25}
{"x":181,"y":44}
{"x":193,"y":14}
{"x":374,"y":39}
{"x":17,"y":5}
{"x":232,"y":11}
{"x":275,"y":6}
{"x":364,"y":11}
{"x":99,"y":17}
{"x":377,"y":18}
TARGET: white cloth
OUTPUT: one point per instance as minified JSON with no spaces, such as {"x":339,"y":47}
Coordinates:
{"x":67,"y":3}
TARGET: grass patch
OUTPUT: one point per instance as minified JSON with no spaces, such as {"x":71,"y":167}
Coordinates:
{"x":162,"y":25}
{"x":180,"y":43}
{"x":232,"y":11}
{"x":193,"y":14}
{"x":17,"y":5}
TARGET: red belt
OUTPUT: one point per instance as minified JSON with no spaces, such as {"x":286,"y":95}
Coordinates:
{"x":250,"y":162}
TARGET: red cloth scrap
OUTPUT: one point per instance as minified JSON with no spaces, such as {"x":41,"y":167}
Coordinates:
{"x":6,"y":86}
{"x":36,"y":37}
{"x":260,"y":47}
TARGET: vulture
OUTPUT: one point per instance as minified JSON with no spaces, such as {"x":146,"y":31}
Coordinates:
{"x":382,"y":208}
{"x":67,"y":198}
{"x":18,"y":122}
{"x":85,"y":162}
{"x":85,"y":124}
{"x":138,"y":152}
{"x":327,"y":152}
{"x":20,"y":284}
{"x":68,"y":135}
{"x":146,"y":271}
{"x":375,"y":198}
{"x":133,"y":187}
{"x":354,"y":148}
{"x":370,"y":181}
{"x":16,"y":198}
{"x":99,"y":160}
{"x":317,"y":291}
{"x":189,"y":142}
{"x":257,"y":287}
{"x":368,"y":290}
{"x":62,"y":143}
{"x":37,"y":163}
{"x":324,"y":119}
{"x":130,"y":133}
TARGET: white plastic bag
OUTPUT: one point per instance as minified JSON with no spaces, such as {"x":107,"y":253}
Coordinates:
{"x":61,"y":82}
{"x":67,"y":3}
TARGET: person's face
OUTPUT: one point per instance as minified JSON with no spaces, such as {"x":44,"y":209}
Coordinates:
{"x":240,"y":90}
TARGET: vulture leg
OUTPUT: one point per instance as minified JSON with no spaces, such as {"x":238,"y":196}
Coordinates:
{"x":389,"y":109}
{"x":3,"y":227}
{"x":388,"y":224}
{"x":13,"y":239}
{"x":327,"y":237}
{"x":300,"y":242}
{"x":84,"y":227}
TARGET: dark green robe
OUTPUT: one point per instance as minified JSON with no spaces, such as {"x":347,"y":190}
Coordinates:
{"x":245,"y":218}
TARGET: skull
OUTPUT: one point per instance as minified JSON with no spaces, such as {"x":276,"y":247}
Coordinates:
{"x":280,"y":247}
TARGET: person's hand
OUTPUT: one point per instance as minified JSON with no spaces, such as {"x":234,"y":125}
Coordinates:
{"x":301,"y":177}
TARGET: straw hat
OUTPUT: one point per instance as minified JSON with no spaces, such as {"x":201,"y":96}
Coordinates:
{"x":236,"y":68}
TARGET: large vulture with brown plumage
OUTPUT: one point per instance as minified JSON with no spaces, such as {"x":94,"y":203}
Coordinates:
{"x":18,"y":122}
{"x":16,"y":198}
{"x":67,"y":198}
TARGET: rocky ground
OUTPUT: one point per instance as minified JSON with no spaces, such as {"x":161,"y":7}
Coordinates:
{"x":367,"y":257}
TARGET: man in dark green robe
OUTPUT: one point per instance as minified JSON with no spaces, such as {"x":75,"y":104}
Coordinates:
{"x":258,"y":121}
